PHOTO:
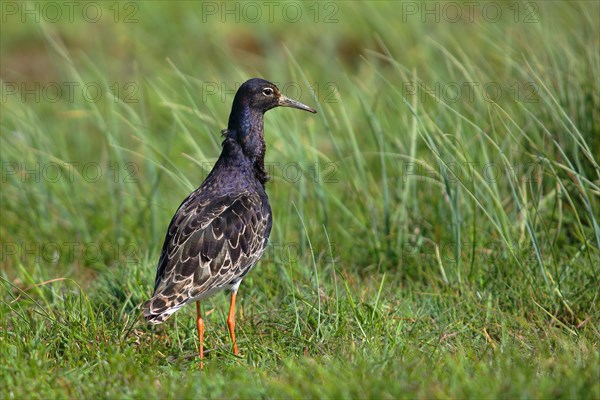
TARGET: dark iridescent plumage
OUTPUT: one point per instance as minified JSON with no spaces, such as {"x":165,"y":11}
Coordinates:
{"x":221,"y":229}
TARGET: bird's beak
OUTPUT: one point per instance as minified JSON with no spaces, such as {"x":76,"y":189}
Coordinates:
{"x":287,"y":102}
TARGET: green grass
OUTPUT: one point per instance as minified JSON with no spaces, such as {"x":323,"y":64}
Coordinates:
{"x":431,"y":244}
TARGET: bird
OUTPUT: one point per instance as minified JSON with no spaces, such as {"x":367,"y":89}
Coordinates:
{"x":220,"y":231}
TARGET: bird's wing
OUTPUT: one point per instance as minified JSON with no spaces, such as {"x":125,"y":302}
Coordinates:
{"x":209,"y":245}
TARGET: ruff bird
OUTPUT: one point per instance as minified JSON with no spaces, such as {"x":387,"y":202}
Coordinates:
{"x":221,"y":229}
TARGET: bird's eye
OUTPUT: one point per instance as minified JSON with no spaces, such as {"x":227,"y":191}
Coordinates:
{"x":268,"y":92}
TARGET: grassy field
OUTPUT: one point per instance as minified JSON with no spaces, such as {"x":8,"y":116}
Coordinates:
{"x":436,"y":224}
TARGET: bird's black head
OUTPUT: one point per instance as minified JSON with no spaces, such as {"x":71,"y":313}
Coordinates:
{"x":259,"y":96}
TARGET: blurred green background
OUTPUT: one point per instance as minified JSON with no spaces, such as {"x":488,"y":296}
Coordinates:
{"x":435,"y":224}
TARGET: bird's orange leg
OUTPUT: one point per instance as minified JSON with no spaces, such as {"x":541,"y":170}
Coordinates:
{"x":200,"y":325}
{"x":231,"y":322}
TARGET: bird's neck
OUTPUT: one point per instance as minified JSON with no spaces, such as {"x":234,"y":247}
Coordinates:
{"x":246,"y":126}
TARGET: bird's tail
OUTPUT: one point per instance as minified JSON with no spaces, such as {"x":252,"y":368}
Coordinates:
{"x":156,"y":315}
